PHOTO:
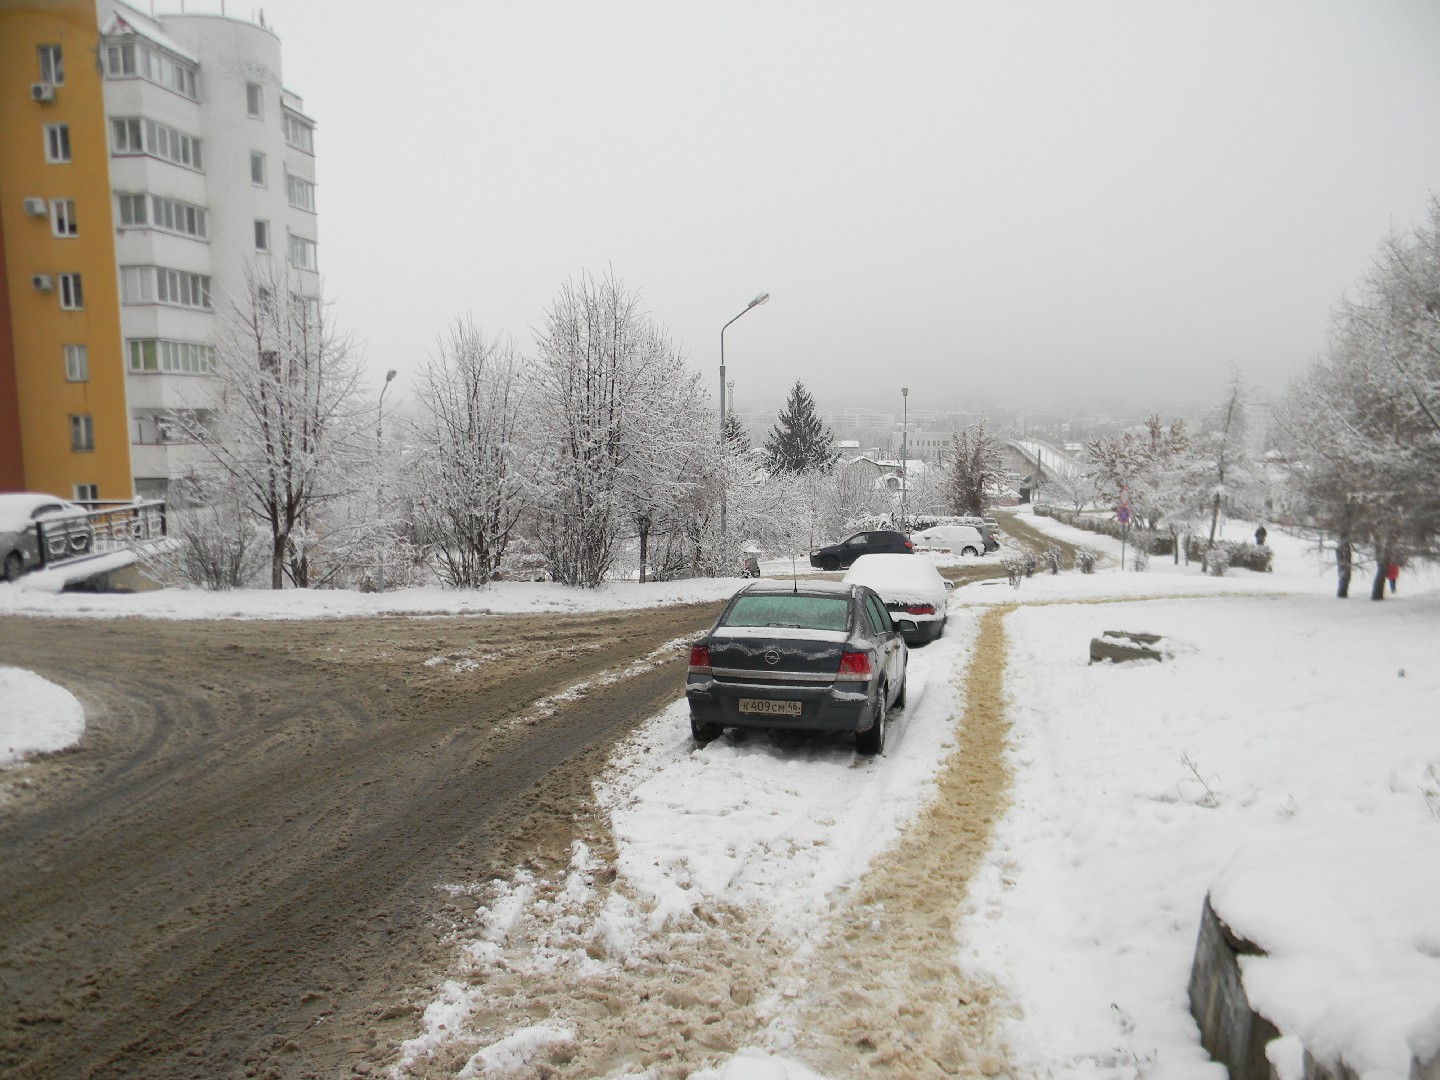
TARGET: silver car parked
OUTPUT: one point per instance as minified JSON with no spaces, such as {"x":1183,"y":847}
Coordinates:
{"x":37,"y":529}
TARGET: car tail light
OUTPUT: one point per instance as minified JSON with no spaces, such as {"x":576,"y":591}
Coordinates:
{"x":909,"y":546}
{"x":700,"y":659}
{"x":920,"y":609}
{"x":854,"y":665}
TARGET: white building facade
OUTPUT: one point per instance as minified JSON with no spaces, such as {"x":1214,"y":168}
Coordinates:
{"x":212,"y":167}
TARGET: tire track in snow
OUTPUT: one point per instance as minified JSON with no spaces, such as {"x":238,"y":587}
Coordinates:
{"x":885,"y":992}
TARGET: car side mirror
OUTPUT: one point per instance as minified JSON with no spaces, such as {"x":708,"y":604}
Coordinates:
{"x":949,"y":585}
{"x":903,"y":625}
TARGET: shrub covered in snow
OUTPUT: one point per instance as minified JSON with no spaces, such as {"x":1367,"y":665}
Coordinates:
{"x":1217,"y":561}
{"x":1085,"y":558}
{"x":1160,"y":543}
{"x":1052,"y":559}
{"x":1030,"y":561}
{"x":1257,"y":557}
{"x":1016,"y":568}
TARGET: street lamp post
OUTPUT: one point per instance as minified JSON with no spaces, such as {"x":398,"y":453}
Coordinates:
{"x":904,"y":448}
{"x":380,"y":480}
{"x":762,"y":298}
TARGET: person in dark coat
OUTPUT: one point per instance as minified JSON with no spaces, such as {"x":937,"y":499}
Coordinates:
{"x":1260,"y":536}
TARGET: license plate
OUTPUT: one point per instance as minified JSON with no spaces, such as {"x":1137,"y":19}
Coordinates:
{"x":766,"y":707}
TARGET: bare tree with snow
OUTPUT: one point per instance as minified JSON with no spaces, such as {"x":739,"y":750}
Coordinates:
{"x":610,"y":389}
{"x":1362,"y":426}
{"x":1224,"y":463}
{"x":976,"y":470}
{"x":289,"y":430}
{"x":468,"y":491}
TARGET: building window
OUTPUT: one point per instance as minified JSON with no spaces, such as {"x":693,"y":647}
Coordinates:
{"x":178,"y":217}
{"x":77,"y":363}
{"x":134,"y":58}
{"x":160,"y":285}
{"x":300,"y":192}
{"x":52,"y":66}
{"x":299,"y":133}
{"x":82,"y":432}
{"x":171,"y":215}
{"x":57,"y":143}
{"x":257,"y":168}
{"x":133,"y":135}
{"x":62,"y":217}
{"x":119,"y":60}
{"x":127,"y":133}
{"x":86,"y":493}
{"x":254,"y":102}
{"x":302,"y":253}
{"x":262,"y":236}
{"x":152,"y":355}
{"x":132,"y":210}
{"x":71,"y":298}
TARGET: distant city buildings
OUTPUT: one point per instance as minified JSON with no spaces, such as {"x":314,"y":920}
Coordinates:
{"x":148,"y":162}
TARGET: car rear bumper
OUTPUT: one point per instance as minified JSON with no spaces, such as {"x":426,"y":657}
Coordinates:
{"x":821,"y":709}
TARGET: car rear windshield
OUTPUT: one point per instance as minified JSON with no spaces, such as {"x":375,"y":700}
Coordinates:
{"x":790,"y":609}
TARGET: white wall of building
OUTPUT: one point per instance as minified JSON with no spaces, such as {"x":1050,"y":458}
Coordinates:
{"x":229,"y":55}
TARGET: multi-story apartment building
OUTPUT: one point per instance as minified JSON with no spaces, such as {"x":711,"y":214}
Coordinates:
{"x":146,"y":163}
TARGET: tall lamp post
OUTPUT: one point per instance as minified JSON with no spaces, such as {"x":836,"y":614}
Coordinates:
{"x":904,"y":448}
{"x":762,"y":298}
{"x":380,"y":479}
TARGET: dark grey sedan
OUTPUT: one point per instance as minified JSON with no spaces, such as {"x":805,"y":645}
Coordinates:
{"x":815,"y":655}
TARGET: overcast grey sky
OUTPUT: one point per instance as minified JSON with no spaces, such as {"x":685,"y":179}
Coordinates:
{"x":991,"y":203}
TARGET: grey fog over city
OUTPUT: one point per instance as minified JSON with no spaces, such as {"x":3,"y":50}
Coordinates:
{"x":1003,"y":206}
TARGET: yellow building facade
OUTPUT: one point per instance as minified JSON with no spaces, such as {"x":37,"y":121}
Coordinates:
{"x":61,"y":351}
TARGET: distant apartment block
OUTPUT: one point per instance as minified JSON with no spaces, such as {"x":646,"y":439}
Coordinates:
{"x":147,"y":162}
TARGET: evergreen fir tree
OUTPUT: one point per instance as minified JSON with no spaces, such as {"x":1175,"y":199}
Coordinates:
{"x":737,"y":439}
{"x":800,"y":442}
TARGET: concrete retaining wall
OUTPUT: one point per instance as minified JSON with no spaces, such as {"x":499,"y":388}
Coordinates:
{"x":1231,"y":1031}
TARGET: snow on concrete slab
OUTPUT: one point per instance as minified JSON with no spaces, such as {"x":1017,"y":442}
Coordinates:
{"x":36,"y":716}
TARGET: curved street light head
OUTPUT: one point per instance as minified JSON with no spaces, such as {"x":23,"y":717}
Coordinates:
{"x":389,"y":374}
{"x":761,"y":299}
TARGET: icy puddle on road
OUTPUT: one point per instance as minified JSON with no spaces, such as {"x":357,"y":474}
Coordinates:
{"x":768,"y":895}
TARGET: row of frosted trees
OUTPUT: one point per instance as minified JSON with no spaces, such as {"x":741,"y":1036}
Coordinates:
{"x":595,"y":454}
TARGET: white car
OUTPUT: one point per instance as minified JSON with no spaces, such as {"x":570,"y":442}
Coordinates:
{"x":25,"y":517}
{"x":911,"y":588}
{"x":956,"y":539}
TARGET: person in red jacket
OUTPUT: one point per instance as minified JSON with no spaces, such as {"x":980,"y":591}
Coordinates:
{"x":1391,"y":573}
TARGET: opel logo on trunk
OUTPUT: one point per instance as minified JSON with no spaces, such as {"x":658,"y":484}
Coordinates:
{"x":772,"y":657}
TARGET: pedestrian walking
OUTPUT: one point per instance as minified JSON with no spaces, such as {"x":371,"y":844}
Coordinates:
{"x":1260,"y":535}
{"x":1392,"y":572}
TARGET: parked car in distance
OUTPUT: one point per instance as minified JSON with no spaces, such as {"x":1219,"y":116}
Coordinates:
{"x":988,"y":527}
{"x":910,"y":588}
{"x":875,"y":542}
{"x":27,"y":516}
{"x":810,"y":655}
{"x":956,"y":539}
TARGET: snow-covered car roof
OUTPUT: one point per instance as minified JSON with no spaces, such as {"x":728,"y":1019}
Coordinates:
{"x":948,"y":532}
{"x":901,"y":579}
{"x":809,"y":586}
{"x":17,"y":506}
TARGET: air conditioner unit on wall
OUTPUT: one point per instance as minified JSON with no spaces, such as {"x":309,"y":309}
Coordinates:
{"x":42,"y":282}
{"x":35,"y":208}
{"x":42,"y":91}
